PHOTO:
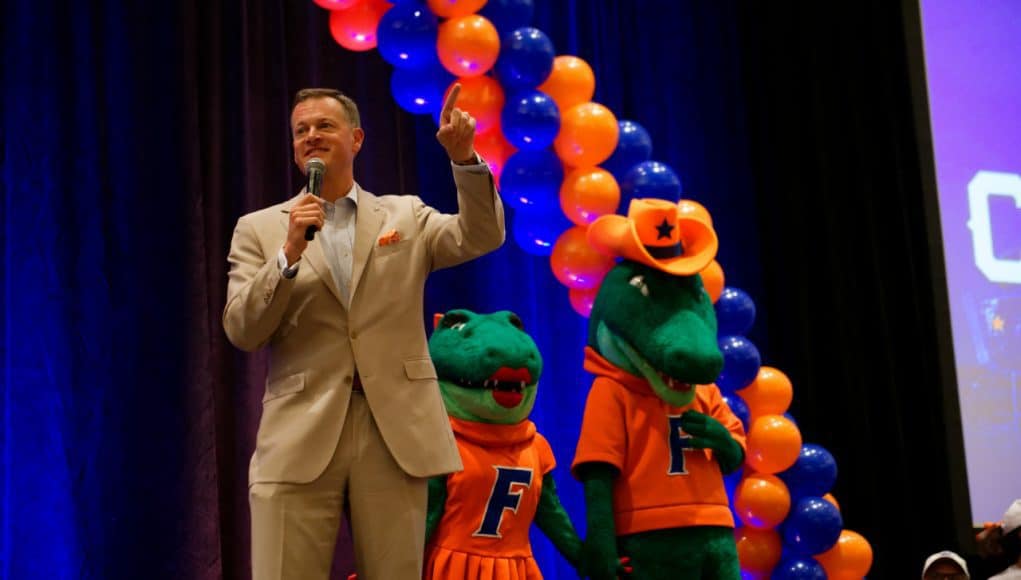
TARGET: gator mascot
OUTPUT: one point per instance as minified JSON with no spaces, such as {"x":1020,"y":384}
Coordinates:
{"x":478,"y":519}
{"x":657,"y":436}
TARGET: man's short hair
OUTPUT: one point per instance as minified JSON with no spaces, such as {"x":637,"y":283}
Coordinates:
{"x":350,"y":108}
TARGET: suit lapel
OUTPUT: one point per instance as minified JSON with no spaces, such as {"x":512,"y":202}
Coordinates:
{"x":370,"y":219}
{"x":314,"y":255}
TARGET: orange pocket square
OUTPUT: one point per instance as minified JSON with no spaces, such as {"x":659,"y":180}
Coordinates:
{"x":391,"y":237}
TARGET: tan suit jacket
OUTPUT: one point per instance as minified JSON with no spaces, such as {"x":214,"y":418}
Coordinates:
{"x":315,"y":342}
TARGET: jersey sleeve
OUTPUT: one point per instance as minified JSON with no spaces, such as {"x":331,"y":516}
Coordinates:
{"x":603,"y":436}
{"x":547,"y":461}
{"x":722,"y":413}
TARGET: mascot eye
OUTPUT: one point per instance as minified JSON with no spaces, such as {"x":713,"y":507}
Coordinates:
{"x":639,"y":282}
{"x":516,"y":322}
{"x":454,"y":319}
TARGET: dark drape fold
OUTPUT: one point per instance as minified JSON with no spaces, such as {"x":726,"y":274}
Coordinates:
{"x":851,"y":289}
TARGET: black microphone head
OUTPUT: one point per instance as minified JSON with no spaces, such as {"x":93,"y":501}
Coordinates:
{"x":315,"y":164}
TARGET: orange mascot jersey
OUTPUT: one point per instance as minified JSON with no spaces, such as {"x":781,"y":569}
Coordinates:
{"x":483,"y":534}
{"x":663,"y":483}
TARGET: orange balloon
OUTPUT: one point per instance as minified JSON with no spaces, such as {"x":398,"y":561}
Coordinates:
{"x":774,"y":443}
{"x":482,"y":98}
{"x":582,"y":300}
{"x":829,"y":497}
{"x":588,"y":193}
{"x":354,"y":28}
{"x":758,"y":550}
{"x":468,"y":45}
{"x":588,"y":135}
{"x":686,"y":207}
{"x":336,"y":4}
{"x":577,"y":264}
{"x":712,"y":280}
{"x":850,"y":558}
{"x":571,"y":82}
{"x":494,"y":148}
{"x":769,"y":394}
{"x":762,"y":501}
{"x":455,"y":8}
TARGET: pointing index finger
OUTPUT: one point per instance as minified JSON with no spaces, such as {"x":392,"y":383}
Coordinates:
{"x":448,"y":106}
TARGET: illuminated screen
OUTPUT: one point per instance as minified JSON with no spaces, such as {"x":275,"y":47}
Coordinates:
{"x":973,"y":66}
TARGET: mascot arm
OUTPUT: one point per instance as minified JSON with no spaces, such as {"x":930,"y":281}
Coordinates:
{"x":599,"y":551}
{"x":708,"y":433}
{"x":555,"y":523}
{"x":437,"y":501}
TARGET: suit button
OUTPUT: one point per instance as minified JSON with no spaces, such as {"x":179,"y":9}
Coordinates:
{"x":347,"y":380}
{"x":354,"y":336}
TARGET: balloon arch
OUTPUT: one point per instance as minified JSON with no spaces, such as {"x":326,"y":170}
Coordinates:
{"x":551,"y":147}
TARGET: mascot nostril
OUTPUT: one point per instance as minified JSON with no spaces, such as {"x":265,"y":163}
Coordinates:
{"x":657,"y":436}
{"x":478,"y":519}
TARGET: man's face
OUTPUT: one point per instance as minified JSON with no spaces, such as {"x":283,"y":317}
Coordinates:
{"x":319,"y":128}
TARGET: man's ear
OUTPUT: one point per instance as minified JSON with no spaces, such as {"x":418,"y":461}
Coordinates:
{"x":359,"y":136}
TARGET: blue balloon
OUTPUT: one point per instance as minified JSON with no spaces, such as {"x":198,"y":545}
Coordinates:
{"x":530,"y":120}
{"x":526,"y":59}
{"x":407,"y":36}
{"x":741,"y":363}
{"x":813,"y":474}
{"x":420,"y":91}
{"x":508,"y":15}
{"x":535,"y":232}
{"x":739,"y":407}
{"x":650,"y":179}
{"x":812,"y":526}
{"x":633,"y":147}
{"x":735,"y":311}
{"x":532,"y":179}
{"x":798,"y":568}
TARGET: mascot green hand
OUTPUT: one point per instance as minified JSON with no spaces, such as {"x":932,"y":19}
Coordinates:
{"x":657,"y":436}
{"x":478,"y":519}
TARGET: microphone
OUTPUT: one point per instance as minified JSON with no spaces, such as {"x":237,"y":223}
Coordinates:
{"x":315,"y":169}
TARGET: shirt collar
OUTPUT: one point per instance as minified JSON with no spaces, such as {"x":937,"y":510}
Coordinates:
{"x":331,"y":207}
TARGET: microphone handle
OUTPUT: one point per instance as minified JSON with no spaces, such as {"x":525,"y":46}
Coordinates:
{"x":315,"y":182}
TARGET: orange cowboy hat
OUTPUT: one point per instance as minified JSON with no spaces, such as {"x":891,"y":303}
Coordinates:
{"x":657,"y":233}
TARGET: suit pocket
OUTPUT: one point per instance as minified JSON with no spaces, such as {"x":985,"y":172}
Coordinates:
{"x":284,"y":386}
{"x":418,"y":369}
{"x":391,"y":249}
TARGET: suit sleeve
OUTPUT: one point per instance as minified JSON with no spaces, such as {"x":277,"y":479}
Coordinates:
{"x":477,"y":228}
{"x":257,"y":293}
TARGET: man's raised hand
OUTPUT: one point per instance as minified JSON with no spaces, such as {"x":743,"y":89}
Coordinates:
{"x":457,"y":130}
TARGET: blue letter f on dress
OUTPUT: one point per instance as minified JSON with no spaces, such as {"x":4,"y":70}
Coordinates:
{"x":510,"y":483}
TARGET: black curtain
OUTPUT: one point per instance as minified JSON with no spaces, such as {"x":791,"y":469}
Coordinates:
{"x":854,"y":287}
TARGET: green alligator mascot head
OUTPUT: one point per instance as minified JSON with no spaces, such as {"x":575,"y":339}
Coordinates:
{"x":488,"y":366}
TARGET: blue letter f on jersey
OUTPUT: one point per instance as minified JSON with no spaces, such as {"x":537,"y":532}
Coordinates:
{"x":510,"y":483}
{"x":678,"y":445}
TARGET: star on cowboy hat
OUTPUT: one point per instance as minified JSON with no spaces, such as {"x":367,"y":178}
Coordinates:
{"x":657,"y":233}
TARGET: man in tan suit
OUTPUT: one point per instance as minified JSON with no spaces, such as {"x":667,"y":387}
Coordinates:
{"x":352,"y":409}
